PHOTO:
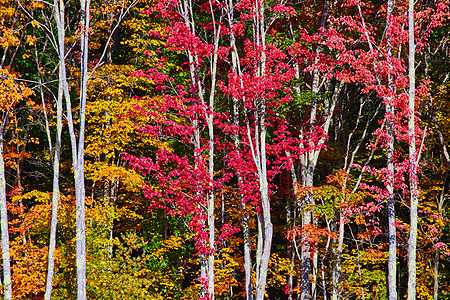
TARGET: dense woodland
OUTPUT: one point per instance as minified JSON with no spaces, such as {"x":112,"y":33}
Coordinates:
{"x":225,"y":149}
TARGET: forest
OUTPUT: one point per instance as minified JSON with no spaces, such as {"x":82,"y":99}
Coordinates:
{"x":225,"y":149}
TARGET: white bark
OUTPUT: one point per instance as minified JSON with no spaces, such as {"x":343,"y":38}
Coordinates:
{"x":237,"y":144}
{"x":210,"y":122}
{"x":392,"y":263}
{"x":260,"y":159}
{"x":59,"y":17}
{"x":291,"y":214}
{"x":414,"y":192}
{"x":186,"y":10}
{"x":7,"y":285}
{"x":308,"y":163}
{"x":77,"y":146}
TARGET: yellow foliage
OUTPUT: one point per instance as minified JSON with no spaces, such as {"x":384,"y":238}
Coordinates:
{"x":279,"y":269}
{"x":112,"y":130}
{"x":11,"y":92}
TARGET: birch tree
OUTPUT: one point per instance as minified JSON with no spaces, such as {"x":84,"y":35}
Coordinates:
{"x":7,"y":290}
{"x":236,"y":69}
{"x":392,"y":264}
{"x":58,"y":7}
{"x":190,"y":20}
{"x":413,"y":159}
{"x":12,"y":93}
{"x":78,"y":154}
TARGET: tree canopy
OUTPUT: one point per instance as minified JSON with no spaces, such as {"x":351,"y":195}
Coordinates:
{"x":224,"y":149}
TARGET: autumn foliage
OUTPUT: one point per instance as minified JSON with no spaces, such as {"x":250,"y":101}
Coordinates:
{"x":232,"y":149}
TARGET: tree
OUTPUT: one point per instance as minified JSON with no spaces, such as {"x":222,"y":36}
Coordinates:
{"x":413,"y":157}
{"x":62,"y":84}
{"x":12,"y":94}
{"x":223,"y":149}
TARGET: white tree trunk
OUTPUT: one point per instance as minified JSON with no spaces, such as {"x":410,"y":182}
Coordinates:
{"x":59,"y":17}
{"x":78,"y":155}
{"x":237,"y":144}
{"x":7,"y":285}
{"x":414,"y":192}
{"x":207,"y":262}
{"x":392,"y":263}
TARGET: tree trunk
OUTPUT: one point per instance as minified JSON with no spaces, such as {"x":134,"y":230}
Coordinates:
{"x":414,"y":192}
{"x":260,"y":159}
{"x":436,"y":275}
{"x":291,"y":215}
{"x":186,"y":11}
{"x":7,"y":286}
{"x":308,"y":165}
{"x":237,"y":144}
{"x":209,"y":116}
{"x":59,"y":17}
{"x":78,"y":155}
{"x":392,"y":264}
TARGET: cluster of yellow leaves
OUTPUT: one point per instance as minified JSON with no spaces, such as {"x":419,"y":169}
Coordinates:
{"x":363,"y":272}
{"x":11,"y":91}
{"x":172,"y":243}
{"x":139,"y":41}
{"x":28,"y":230}
{"x":225,"y":266}
{"x":279,"y":269}
{"x":112,"y":129}
{"x":122,"y":276}
{"x":9,"y":37}
{"x":101,"y":171}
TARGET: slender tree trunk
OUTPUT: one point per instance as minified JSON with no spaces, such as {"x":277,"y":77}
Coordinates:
{"x":186,"y":11}
{"x":59,"y":17}
{"x":292,"y":218}
{"x":390,"y":111}
{"x":78,"y":158}
{"x":436,"y":275}
{"x":245,"y":216}
{"x":414,"y":192}
{"x":7,"y":285}
{"x":203,"y":256}
{"x":210,"y":122}
{"x":309,"y":162}
{"x":392,"y":263}
{"x":437,"y":253}
{"x":264,"y":247}
{"x":210,"y":205}
{"x":237,"y":144}
{"x":306,"y":247}
{"x":258,"y":151}
{"x":247,"y":256}
{"x":337,"y":268}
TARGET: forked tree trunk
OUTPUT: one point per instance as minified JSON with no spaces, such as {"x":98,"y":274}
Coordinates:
{"x":265,"y":228}
{"x":308,"y":163}
{"x":237,"y":143}
{"x":207,"y":261}
{"x":77,"y":146}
